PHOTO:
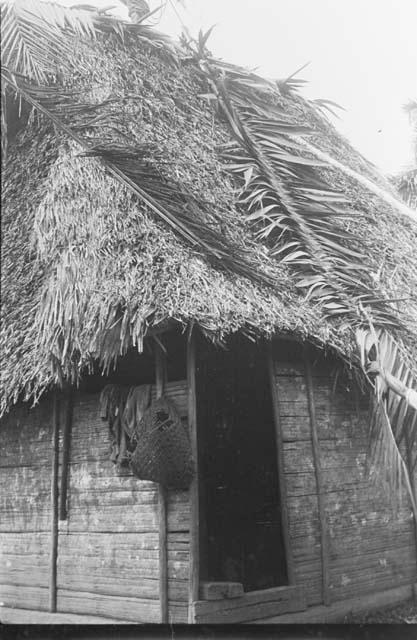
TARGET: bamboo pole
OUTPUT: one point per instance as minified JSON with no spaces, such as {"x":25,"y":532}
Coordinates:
{"x":194,"y":575}
{"x":281,"y":474}
{"x":160,"y":379}
{"x":54,"y":505}
{"x":66,"y":445}
{"x":319,"y":480}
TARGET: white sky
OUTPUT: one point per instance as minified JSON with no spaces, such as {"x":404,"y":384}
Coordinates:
{"x":363,"y":55}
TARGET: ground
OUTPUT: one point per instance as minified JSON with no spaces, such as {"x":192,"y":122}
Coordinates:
{"x":405,"y":612}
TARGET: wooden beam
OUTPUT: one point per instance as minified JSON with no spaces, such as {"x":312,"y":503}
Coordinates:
{"x":194,"y":576}
{"x":319,"y":479}
{"x":66,"y":445}
{"x":160,"y":380}
{"x":54,"y":503}
{"x":253,"y":605}
{"x":281,"y":474}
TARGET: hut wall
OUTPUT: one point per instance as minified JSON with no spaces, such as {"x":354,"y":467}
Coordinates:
{"x":25,"y":490}
{"x":369,"y":547}
{"x":108,"y":558}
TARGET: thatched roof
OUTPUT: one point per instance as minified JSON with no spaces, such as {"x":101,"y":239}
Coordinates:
{"x":87,"y":268}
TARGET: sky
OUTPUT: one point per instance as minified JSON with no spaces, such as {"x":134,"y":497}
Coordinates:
{"x":362,"y":55}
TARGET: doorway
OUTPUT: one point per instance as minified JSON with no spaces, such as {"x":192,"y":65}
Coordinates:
{"x":240,"y":521}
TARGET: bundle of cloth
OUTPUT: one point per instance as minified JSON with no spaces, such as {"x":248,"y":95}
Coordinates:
{"x":123,"y":408}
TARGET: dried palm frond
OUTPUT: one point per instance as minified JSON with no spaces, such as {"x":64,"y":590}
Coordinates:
{"x":393,"y":425}
{"x":38,"y":40}
{"x":290,"y":206}
{"x":128,"y":165}
{"x":296,"y":213}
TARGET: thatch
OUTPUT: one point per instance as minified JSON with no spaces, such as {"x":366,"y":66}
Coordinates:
{"x":87,"y":270}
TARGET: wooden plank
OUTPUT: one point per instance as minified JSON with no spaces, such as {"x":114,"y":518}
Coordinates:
{"x":330,"y":426}
{"x":194,"y":565}
{"x":29,"y":616}
{"x":294,"y":401}
{"x":220,"y":590}
{"x":251,"y":606}
{"x":132,"y":609}
{"x":140,"y":518}
{"x":340,"y":611}
{"x":66,"y":453}
{"x":319,"y":483}
{"x":26,"y":597}
{"x":54,"y":505}
{"x":281,"y":472}
{"x":118,"y":585}
{"x":26,"y":513}
{"x":25,"y":436}
{"x":160,"y":373}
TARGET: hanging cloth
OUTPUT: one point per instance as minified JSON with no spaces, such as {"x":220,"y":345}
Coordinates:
{"x":137,"y":402}
{"x":112,"y":403}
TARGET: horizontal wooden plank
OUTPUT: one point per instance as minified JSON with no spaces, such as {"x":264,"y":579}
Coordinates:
{"x":343,"y":480}
{"x":25,"y":571}
{"x":220,"y":590}
{"x":335,"y":454}
{"x":119,"y":585}
{"x":27,"y":480}
{"x":341,"y":610}
{"x":144,"y":566}
{"x":138,"y":610}
{"x":251,"y":606}
{"x":142,"y":580}
{"x":292,"y":398}
{"x":330,"y":426}
{"x":135,"y":518}
{"x":29,"y":616}
{"x":37,"y":543}
{"x":125,"y":608}
{"x":25,"y":513}
{"x":26,"y":597}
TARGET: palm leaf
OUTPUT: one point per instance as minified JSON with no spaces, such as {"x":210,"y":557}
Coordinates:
{"x":289,"y":205}
{"x":33,"y":41}
{"x":393,"y":422}
{"x":177,"y":210}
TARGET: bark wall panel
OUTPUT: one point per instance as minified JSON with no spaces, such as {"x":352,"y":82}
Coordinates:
{"x":108,"y":547}
{"x":25,"y":511}
{"x":370,"y":546}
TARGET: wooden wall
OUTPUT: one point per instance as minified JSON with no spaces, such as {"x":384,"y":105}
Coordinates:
{"x":25,"y":488}
{"x":370,"y":548}
{"x":108,"y":554}
{"x":108,"y":547}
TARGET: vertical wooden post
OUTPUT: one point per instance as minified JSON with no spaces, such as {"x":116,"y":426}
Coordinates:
{"x":319,"y":479}
{"x":54,"y":504}
{"x":194,"y":575}
{"x":160,"y":379}
{"x":66,"y":445}
{"x":281,"y":474}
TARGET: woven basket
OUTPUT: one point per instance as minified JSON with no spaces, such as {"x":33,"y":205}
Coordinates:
{"x":163,"y":452}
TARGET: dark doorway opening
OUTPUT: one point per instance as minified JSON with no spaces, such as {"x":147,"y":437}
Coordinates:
{"x":240,"y":523}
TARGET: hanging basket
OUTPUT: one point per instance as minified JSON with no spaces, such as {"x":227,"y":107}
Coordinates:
{"x":163,"y":451}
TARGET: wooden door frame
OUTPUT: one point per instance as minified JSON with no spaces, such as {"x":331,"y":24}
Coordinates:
{"x":194,"y":572}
